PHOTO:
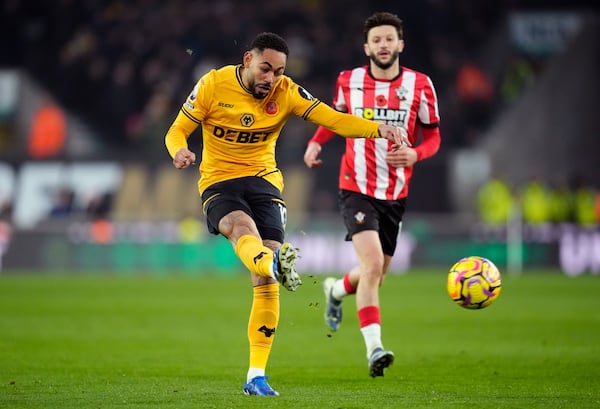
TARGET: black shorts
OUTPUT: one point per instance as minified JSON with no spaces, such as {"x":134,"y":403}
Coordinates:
{"x":362,"y":212}
{"x":253,"y":195}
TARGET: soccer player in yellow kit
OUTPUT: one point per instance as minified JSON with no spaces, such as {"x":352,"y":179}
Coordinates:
{"x":242,"y":110}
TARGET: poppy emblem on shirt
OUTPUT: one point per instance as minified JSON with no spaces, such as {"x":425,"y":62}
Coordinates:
{"x":271,"y":108}
{"x":401,"y":93}
{"x":381,"y":100}
{"x":359,"y":217}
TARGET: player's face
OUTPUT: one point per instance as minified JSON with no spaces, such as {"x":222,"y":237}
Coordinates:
{"x":262,"y":70}
{"x":383,"y":46}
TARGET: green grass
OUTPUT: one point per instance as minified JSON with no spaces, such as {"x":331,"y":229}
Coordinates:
{"x":178,"y":342}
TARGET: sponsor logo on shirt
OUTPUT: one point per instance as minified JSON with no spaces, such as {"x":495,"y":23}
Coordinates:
{"x":232,"y":135}
{"x":394,"y":117}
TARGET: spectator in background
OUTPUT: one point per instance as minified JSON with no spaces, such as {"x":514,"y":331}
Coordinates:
{"x":150,"y":126}
{"x":518,"y":76}
{"x":5,"y":234}
{"x":494,"y":202}
{"x":476,"y":95}
{"x":561,"y":203}
{"x":535,"y":202}
{"x":99,"y":206}
{"x":584,"y":201}
{"x":48,"y":131}
{"x":6,"y":209}
{"x":64,"y":203}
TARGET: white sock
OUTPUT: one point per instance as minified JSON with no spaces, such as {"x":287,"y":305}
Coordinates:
{"x":339,"y":291}
{"x":372,"y":335}
{"x":253,"y":373}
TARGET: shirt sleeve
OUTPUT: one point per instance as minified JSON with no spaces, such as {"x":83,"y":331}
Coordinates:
{"x":322,"y":135}
{"x":430,"y":143}
{"x":179,"y":132}
{"x":190,"y":115}
{"x":346,"y":125}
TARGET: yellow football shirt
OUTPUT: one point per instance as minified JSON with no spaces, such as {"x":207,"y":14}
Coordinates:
{"x":239,"y":131}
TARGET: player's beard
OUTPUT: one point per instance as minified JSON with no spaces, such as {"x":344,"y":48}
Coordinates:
{"x":255,"y":93}
{"x":384,"y":65}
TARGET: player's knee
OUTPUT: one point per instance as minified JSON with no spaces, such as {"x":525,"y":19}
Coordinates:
{"x":237,"y":224}
{"x":373,"y":272}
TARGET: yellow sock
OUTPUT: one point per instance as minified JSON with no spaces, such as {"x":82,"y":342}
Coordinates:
{"x":264,"y":317}
{"x":256,"y":257}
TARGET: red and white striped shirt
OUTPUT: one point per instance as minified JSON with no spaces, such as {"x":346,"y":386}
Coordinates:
{"x":408,"y":101}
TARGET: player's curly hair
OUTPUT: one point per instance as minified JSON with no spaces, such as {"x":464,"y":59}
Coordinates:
{"x":383,"y":18}
{"x":271,"y":41}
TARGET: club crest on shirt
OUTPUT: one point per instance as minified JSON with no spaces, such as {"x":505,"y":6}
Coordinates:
{"x":401,"y":93}
{"x":247,"y":120}
{"x":305,"y":94}
{"x":271,"y":108}
{"x":359,"y":217}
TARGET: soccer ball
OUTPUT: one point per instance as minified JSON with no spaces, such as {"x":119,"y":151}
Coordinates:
{"x":474,"y":282}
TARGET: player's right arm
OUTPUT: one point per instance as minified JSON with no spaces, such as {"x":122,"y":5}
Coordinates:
{"x":188,"y":119}
{"x":176,"y":141}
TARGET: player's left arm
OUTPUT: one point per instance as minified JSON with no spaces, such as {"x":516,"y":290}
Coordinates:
{"x":428,"y":122}
{"x":350,"y":126}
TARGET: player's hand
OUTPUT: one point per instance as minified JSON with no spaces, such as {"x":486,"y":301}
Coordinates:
{"x":311,"y":155}
{"x":397,"y":135}
{"x":401,"y":156}
{"x":184,"y":158}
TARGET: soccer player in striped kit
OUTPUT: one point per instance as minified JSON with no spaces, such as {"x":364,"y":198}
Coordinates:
{"x":375,"y":174}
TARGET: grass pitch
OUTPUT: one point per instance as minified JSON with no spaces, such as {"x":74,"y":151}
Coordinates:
{"x":179,"y":342}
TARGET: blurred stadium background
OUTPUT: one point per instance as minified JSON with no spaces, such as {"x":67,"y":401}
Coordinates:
{"x":88,"y":89}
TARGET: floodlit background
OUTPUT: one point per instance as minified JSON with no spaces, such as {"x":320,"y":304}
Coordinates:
{"x":89,"y":88}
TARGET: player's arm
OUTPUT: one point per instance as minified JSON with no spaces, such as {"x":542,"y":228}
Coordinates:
{"x":405,"y":156}
{"x":176,"y":140}
{"x":350,"y":126}
{"x":313,"y":149}
{"x":428,"y":121}
{"x":430,"y":143}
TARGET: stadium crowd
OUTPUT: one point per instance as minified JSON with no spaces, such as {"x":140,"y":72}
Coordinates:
{"x":124,"y":66}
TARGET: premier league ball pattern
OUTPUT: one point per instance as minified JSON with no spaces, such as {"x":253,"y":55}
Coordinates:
{"x":474,"y":282}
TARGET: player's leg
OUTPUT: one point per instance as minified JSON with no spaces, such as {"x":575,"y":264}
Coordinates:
{"x":335,"y":290}
{"x":390,"y":221}
{"x":262,"y":325}
{"x":371,"y":262}
{"x":270,"y":214}
{"x":359,"y":214}
{"x":264,"y":315}
{"x":228,"y":213}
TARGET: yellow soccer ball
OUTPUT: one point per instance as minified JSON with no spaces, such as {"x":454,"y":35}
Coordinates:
{"x":474,"y":282}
